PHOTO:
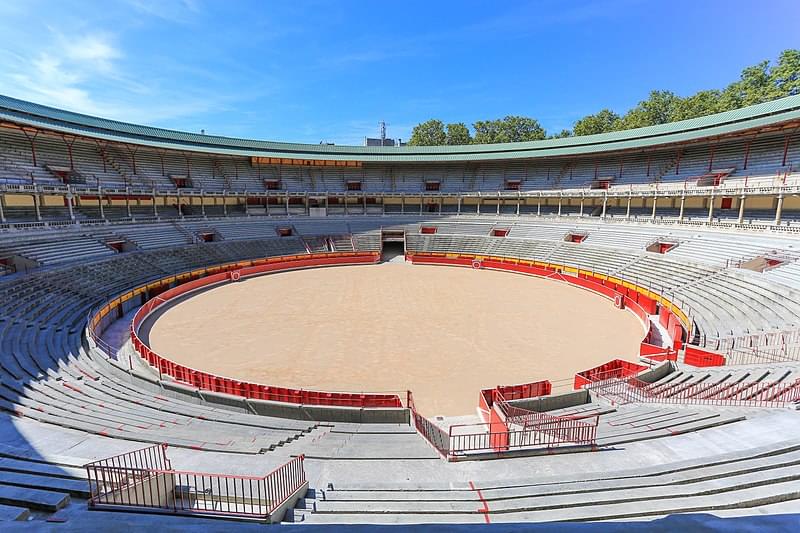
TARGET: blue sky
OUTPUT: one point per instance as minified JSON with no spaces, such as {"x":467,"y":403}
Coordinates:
{"x":308,"y":71}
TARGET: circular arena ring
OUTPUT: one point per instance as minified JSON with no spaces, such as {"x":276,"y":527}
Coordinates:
{"x":444,"y":333}
{"x":156,"y":295}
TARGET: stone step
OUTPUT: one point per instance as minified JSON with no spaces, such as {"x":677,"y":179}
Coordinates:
{"x":10,"y":513}
{"x":33,"y":498}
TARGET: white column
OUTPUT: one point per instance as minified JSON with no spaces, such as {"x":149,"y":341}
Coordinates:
{"x":655,"y":201}
{"x":605,"y":204}
{"x":100,"y":201}
{"x":69,"y":205}
{"x":711,"y":209}
{"x":628,"y":211}
{"x":741,"y":208}
{"x":779,"y":210}
{"x":36,"y":201}
{"x":683,"y":206}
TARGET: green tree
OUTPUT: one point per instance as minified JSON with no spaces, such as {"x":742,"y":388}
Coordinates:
{"x":785,"y":76}
{"x":657,"y":109}
{"x":751,"y":88}
{"x":601,"y":122}
{"x":429,"y":133}
{"x":698,"y":105}
{"x":757,"y":83}
{"x":561,"y":134}
{"x":458,"y":133}
{"x":508,"y":129}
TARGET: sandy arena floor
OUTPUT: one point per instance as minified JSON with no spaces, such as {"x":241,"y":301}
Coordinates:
{"x":442,"y":332}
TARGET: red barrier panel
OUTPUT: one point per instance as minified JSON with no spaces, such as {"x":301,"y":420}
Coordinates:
{"x":657,"y":353}
{"x":696,"y":357}
{"x":647,"y":304}
{"x":664,"y":316}
{"x":498,"y":433}
{"x":650,"y":349}
{"x":617,"y":368}
{"x":527,"y":390}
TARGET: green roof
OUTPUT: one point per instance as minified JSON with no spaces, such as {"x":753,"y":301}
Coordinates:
{"x":727,"y":123}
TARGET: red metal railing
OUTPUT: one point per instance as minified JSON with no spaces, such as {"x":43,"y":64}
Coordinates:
{"x":720,"y":393}
{"x":547,"y":431}
{"x":436,"y":436}
{"x":755,"y":340}
{"x":144,"y":479}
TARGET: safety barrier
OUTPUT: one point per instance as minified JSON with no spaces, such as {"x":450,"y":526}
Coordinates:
{"x":702,"y":358}
{"x":524,"y":391}
{"x":657,"y":353}
{"x":507,"y":428}
{"x":616,"y":368}
{"x":780,"y":346}
{"x":159,"y":292}
{"x":539,"y":431}
{"x":144,"y":480}
{"x":781,"y":337}
{"x":738,"y":394}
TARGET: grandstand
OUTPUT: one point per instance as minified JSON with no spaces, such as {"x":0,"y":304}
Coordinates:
{"x":692,"y":226}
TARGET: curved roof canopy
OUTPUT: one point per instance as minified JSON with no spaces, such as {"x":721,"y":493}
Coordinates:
{"x":770,"y":114}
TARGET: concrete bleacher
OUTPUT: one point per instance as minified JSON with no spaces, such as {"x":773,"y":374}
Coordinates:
{"x":118,"y":166}
{"x":51,"y":383}
{"x":48,"y":252}
{"x":736,"y":480}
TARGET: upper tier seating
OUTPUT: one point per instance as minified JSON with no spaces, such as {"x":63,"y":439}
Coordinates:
{"x":119,"y":166}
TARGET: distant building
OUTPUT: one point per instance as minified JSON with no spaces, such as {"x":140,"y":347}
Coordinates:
{"x":371,"y":141}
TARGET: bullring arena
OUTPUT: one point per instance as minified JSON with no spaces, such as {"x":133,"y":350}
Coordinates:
{"x":347,"y":329}
{"x":216,"y":333}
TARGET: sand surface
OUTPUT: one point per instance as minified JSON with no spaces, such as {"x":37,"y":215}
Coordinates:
{"x":442,"y":332}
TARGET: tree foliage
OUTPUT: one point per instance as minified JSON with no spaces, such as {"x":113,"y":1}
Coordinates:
{"x":600,"y":122}
{"x":508,"y":129}
{"x":458,"y":133}
{"x":758,"y":83}
{"x":429,"y":133}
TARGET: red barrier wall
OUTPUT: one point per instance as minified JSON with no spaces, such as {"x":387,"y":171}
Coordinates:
{"x":498,"y":431}
{"x":613,"y":369}
{"x":527,"y":390}
{"x":657,"y":353}
{"x":697,"y":357}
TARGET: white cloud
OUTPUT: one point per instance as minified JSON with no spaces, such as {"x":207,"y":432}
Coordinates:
{"x":86,"y":73}
{"x":169,"y":10}
{"x":94,"y":51}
